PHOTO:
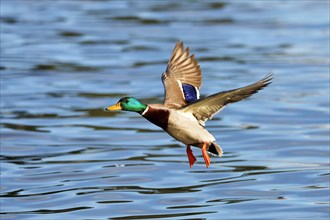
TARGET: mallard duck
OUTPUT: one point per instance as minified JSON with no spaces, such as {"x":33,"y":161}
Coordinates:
{"x":183,"y":114}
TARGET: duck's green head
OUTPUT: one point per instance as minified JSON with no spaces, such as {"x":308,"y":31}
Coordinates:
{"x":128,"y":104}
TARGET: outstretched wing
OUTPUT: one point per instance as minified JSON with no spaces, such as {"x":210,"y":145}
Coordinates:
{"x":207,"y":107}
{"x":182,"y":78}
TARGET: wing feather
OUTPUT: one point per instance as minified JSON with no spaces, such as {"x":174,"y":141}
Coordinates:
{"x":206,"y":108}
{"x":182,"y":68}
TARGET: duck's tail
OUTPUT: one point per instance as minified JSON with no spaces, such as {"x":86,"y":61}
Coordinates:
{"x":215,"y":149}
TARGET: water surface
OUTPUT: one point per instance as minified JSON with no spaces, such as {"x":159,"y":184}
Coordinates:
{"x":63,"y":157}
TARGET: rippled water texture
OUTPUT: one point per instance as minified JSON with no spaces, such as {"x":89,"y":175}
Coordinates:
{"x":63,"y":157}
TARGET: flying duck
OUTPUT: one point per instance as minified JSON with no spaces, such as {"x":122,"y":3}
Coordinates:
{"x":183,"y":113}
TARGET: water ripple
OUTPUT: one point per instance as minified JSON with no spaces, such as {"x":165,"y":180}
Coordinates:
{"x":63,"y":157}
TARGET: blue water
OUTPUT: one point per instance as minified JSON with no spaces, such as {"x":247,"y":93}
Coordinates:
{"x":63,"y":157}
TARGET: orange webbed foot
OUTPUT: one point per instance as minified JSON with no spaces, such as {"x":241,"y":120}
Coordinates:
{"x":191,"y":156}
{"x":206,"y":156}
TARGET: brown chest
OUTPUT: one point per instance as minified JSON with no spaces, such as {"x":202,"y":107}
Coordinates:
{"x":158,"y":117}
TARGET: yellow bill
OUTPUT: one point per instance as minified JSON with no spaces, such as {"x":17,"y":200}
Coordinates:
{"x":114,"y":107}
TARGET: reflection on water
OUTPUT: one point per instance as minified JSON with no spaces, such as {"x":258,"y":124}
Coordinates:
{"x":62,"y":156}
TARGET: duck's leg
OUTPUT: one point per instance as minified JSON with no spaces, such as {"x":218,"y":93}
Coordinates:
{"x":191,"y":157}
{"x":206,"y":156}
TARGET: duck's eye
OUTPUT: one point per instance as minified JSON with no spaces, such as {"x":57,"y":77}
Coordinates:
{"x":126,"y":101}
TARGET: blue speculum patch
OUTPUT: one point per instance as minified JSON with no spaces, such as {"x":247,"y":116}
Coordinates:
{"x":189,"y":92}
